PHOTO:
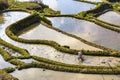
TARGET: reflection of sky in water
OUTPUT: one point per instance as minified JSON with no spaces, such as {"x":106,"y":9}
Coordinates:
{"x":88,"y":31}
{"x":4,"y":64}
{"x":111,"y":17}
{"x":68,"y":6}
{"x":11,"y":17}
{"x":44,"y":33}
{"x":28,"y":60}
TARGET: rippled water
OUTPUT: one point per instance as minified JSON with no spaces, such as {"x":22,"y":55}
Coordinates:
{"x":88,"y":31}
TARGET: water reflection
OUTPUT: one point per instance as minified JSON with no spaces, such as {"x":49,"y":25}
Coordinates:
{"x":8,"y":16}
{"x":40,"y":74}
{"x":111,"y":17}
{"x":88,"y":31}
{"x":39,"y":50}
{"x":28,"y":60}
{"x":4,"y":64}
{"x":66,"y":6}
{"x":43,"y":33}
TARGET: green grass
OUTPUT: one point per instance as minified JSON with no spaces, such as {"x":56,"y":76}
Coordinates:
{"x":15,"y":48}
{"x":6,"y":76}
{"x":5,"y":54}
{"x":24,"y":5}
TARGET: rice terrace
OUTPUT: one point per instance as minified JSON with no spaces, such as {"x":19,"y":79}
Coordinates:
{"x":59,"y":39}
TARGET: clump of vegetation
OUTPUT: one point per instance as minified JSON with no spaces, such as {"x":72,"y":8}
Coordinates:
{"x":24,"y":5}
{"x":15,"y":48}
{"x":22,"y":24}
{"x":113,"y":0}
{"x":1,"y":19}
{"x":6,"y":76}
{"x":48,"y":11}
{"x":16,"y":62}
{"x":5,"y":54}
{"x":100,"y":9}
{"x":83,"y":69}
{"x":9,"y":69}
{"x":3,"y":4}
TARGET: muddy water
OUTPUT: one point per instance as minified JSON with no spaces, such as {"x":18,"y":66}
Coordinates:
{"x":43,"y":33}
{"x":4,"y":64}
{"x":88,"y":31}
{"x":39,"y":74}
{"x":111,"y":17}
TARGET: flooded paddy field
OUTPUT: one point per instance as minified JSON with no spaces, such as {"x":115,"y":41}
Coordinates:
{"x":67,"y":6}
{"x":111,"y":17}
{"x":81,"y":28}
{"x":54,"y":75}
{"x":4,"y":64}
{"x":88,"y":31}
{"x":43,"y":33}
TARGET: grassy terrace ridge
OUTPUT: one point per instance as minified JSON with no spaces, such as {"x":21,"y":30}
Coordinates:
{"x":23,"y":52}
{"x":114,"y":25}
{"x":74,"y":36}
{"x":54,"y":65}
{"x":24,"y":5}
{"x":48,"y":61}
{"x":87,"y":69}
{"x":19,"y":27}
{"x":5,"y":55}
{"x":95,"y":3}
{"x":92,"y":19}
{"x":14,"y":29}
{"x":6,"y":76}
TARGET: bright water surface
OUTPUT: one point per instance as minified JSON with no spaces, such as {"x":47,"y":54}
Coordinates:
{"x":67,"y":6}
{"x":43,"y":33}
{"x":88,"y":31}
{"x":4,"y":64}
{"x":111,"y":17}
